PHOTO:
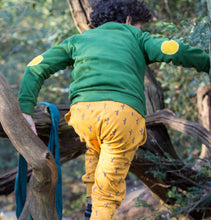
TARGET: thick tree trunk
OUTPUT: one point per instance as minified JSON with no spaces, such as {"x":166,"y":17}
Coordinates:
{"x":80,"y":10}
{"x":40,"y":203}
{"x":209,"y":16}
{"x":204,"y":104}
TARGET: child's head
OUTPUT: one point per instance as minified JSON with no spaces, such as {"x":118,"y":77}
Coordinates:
{"x":117,"y":11}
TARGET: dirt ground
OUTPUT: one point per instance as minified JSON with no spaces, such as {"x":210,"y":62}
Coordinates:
{"x":10,"y":215}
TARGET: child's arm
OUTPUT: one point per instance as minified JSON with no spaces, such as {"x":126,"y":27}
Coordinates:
{"x":164,"y":50}
{"x":39,"y":69}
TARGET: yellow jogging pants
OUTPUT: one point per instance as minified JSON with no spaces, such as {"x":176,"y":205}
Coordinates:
{"x":113,"y":132}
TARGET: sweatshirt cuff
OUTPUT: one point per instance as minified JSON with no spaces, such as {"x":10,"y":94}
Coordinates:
{"x":27,"y":108}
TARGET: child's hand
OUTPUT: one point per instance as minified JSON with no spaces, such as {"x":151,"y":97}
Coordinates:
{"x":30,"y":122}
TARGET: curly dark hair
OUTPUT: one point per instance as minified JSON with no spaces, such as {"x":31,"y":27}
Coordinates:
{"x":117,"y":11}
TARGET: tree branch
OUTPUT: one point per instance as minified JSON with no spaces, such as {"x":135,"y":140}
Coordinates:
{"x":44,"y":177}
{"x":167,"y":117}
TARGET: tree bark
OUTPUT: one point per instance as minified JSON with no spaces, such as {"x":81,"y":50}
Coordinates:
{"x":80,"y":10}
{"x":209,"y":16}
{"x":40,"y":202}
{"x":204,"y":103}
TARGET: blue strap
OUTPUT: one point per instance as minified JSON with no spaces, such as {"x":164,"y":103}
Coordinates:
{"x":20,"y":185}
{"x":21,"y":178}
{"x":53,"y":146}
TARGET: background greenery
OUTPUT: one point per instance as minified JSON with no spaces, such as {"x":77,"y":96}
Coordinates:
{"x":30,"y":27}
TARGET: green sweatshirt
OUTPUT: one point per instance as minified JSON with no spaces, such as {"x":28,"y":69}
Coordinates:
{"x":108,"y":64}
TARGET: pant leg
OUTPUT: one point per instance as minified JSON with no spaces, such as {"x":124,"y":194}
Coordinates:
{"x":83,"y":118}
{"x":122,"y":132}
{"x":91,"y":161}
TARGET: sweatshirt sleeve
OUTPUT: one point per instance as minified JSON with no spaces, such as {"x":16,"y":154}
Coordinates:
{"x":165,"y":50}
{"x":39,"y":69}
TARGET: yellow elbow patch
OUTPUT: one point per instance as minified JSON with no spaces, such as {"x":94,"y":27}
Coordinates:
{"x":36,"y":61}
{"x":169,"y":47}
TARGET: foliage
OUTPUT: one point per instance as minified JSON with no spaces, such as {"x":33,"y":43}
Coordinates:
{"x":177,"y":10}
{"x":29,"y":28}
{"x":195,"y":197}
{"x":8,"y":157}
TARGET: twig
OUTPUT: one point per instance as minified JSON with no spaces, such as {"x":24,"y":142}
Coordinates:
{"x":168,"y":9}
{"x":191,"y":181}
{"x":197,"y":203}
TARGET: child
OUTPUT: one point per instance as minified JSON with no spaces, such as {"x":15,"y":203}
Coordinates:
{"x":107,"y":94}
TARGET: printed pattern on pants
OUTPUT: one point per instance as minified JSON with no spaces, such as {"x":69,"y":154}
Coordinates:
{"x":113,"y":132}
